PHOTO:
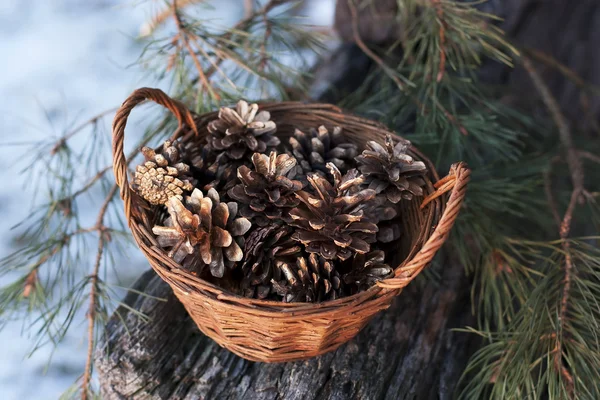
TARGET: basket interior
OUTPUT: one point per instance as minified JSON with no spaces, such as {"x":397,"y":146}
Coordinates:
{"x":417,"y":224}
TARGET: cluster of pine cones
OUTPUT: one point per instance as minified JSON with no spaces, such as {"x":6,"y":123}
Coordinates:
{"x":303,"y":221}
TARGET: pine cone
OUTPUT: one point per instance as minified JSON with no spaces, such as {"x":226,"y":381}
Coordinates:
{"x":267,"y":191}
{"x":315,"y":149}
{"x":313,"y":279}
{"x":384,"y":214}
{"x":264,"y":247}
{"x":163,"y":175}
{"x":204,"y":232}
{"x":366,"y":270}
{"x":331,"y":222}
{"x":242,"y":130}
{"x":390,"y":171}
{"x":224,"y":171}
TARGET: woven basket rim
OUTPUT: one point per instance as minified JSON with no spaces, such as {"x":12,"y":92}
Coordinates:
{"x":202,"y":288}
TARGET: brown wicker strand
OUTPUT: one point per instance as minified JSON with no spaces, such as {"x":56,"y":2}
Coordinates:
{"x":178,"y":109}
{"x":404,"y":274}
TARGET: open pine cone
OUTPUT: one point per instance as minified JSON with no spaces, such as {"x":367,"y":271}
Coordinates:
{"x":242,"y":130}
{"x":163,"y":175}
{"x":384,"y":213}
{"x":265,"y":246}
{"x":207,"y":229}
{"x":390,"y":171}
{"x":319,"y":147}
{"x":367,"y":269}
{"x":267,"y":191}
{"x":308,"y":279}
{"x":332,"y":221}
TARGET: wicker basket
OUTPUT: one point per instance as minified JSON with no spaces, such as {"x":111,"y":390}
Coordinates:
{"x":272,"y":331}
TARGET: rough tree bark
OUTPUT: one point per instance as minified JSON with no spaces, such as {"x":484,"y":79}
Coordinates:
{"x":409,"y":351}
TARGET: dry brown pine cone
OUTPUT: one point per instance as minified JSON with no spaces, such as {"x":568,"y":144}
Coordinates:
{"x":367,"y":269}
{"x":268,"y":191}
{"x":206,"y":232}
{"x":309,"y":279}
{"x":264,"y":247}
{"x":315,"y":149}
{"x":242,"y":130}
{"x":390,"y":171}
{"x":331,"y":221}
{"x":162,"y":175}
{"x":384,"y":213}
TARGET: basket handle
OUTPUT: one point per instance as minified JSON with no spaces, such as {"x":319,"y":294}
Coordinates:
{"x":178,"y":109}
{"x":456,"y":181}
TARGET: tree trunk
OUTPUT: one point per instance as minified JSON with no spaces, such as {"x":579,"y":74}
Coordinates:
{"x":408,"y":351}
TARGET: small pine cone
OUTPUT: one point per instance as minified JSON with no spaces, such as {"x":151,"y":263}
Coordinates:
{"x":203,"y":232}
{"x":367,"y":269}
{"x":265,"y":193}
{"x":163,"y":175}
{"x":241,"y":131}
{"x":390,"y":171}
{"x":319,"y":147}
{"x":384,"y":213}
{"x":310,"y":279}
{"x":332,"y":222}
{"x":264,"y":247}
{"x":223,"y":171}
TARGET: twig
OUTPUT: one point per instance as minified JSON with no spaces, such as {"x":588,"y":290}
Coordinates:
{"x":576,"y":170}
{"x":584,"y":101}
{"x":379,"y":61}
{"x":183,"y":35}
{"x":63,"y":140}
{"x":248,"y":8}
{"x":149,"y":27}
{"x":365,"y":49}
{"x":91,"y":315}
{"x":589,"y":156}
{"x":550,"y":197}
{"x":564,"y":132}
{"x":240,"y":25}
{"x":440,"y":14}
{"x":30,"y":283}
{"x":263,"y":46}
{"x":563,"y":69}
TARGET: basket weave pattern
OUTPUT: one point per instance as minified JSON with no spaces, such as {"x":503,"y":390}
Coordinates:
{"x":271,"y":331}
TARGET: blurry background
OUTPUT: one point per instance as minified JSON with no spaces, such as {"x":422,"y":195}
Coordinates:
{"x":64,"y":61}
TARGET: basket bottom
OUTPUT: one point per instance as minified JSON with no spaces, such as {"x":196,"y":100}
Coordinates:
{"x":283,"y":336}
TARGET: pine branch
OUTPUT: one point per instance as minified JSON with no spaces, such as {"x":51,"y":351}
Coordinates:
{"x":183,"y":35}
{"x":392,"y":74}
{"x":534,"y":355}
{"x":566,"y":137}
{"x":93,"y":120}
{"x":575,"y":166}
{"x":149,"y":27}
{"x":91,"y":315}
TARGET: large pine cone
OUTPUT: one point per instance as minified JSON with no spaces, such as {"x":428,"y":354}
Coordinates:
{"x":237,"y":132}
{"x":390,"y":171}
{"x":309,"y":279}
{"x":264,"y":248}
{"x":332,"y":221}
{"x":366,"y":270}
{"x":163,"y":175}
{"x":319,"y":147}
{"x":265,"y":193}
{"x":206,"y":232}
